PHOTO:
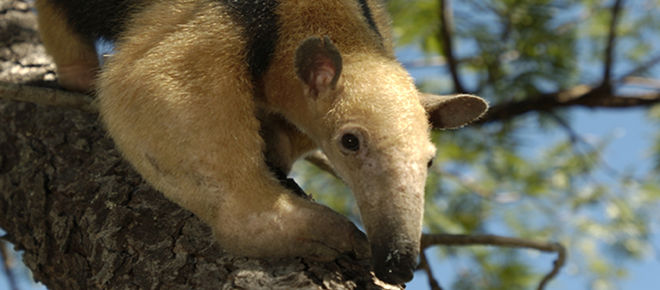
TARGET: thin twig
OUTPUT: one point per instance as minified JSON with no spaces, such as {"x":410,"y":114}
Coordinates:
{"x":641,"y":68}
{"x":446,"y":35}
{"x":556,"y":266}
{"x":7,"y":263}
{"x":646,"y":83}
{"x":576,"y":138}
{"x":424,"y":264}
{"x":493,"y":240}
{"x":611,"y":43}
{"x":572,"y":135}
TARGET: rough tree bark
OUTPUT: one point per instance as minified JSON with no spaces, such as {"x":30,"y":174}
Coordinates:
{"x":85,"y":219}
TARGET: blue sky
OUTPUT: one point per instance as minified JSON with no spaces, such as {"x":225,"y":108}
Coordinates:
{"x":627,"y":150}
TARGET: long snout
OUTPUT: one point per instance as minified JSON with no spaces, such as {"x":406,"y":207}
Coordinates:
{"x":394,"y":256}
{"x":393,"y":221}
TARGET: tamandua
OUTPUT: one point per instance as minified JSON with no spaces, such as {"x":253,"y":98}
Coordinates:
{"x":213,"y":100}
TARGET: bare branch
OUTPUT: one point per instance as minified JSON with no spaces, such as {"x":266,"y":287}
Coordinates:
{"x":641,"y":68}
{"x":610,"y":46}
{"x":556,"y":266}
{"x":572,"y":135}
{"x":424,"y":264}
{"x":653,"y":84}
{"x":581,"y":95}
{"x":499,"y":241}
{"x":446,"y":35}
{"x":483,"y":240}
{"x":576,"y":138}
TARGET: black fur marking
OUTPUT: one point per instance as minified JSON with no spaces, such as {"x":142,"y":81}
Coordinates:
{"x":366,"y":12}
{"x":259,"y":22}
{"x":98,"y":18}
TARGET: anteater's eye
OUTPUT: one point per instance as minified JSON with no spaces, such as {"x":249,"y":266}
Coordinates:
{"x":350,"y":142}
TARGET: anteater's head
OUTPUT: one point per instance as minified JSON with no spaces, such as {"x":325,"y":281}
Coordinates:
{"x":374,"y":127}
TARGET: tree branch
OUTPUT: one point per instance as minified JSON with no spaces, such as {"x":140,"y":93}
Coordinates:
{"x":44,"y":96}
{"x":645,"y":66}
{"x":610,"y":45}
{"x":424,"y":264}
{"x":499,"y":241}
{"x":582,"y":95}
{"x":446,"y":35}
{"x":651,"y":84}
{"x":578,"y":96}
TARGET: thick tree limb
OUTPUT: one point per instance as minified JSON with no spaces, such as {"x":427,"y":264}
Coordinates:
{"x":49,"y":97}
{"x":86,"y":220}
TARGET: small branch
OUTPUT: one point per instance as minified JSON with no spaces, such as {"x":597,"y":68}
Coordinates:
{"x":641,"y":68}
{"x":576,"y":138}
{"x":446,"y":35}
{"x":646,"y":83}
{"x":572,"y":135}
{"x":581,"y":95}
{"x":424,"y":264}
{"x":47,"y":97}
{"x":556,"y":266}
{"x":610,"y":46}
{"x":492,"y":240}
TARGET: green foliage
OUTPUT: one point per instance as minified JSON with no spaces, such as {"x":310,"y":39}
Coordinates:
{"x":520,"y":46}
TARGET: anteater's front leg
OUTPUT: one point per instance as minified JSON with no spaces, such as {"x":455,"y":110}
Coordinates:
{"x":179,"y":104}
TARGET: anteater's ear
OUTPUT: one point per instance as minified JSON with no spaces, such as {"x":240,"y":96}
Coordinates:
{"x":453,"y":111}
{"x":318,"y":64}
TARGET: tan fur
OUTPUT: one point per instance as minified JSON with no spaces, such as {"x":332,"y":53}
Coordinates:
{"x":204,"y":136}
{"x":177,"y":99}
{"x":74,"y":55}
